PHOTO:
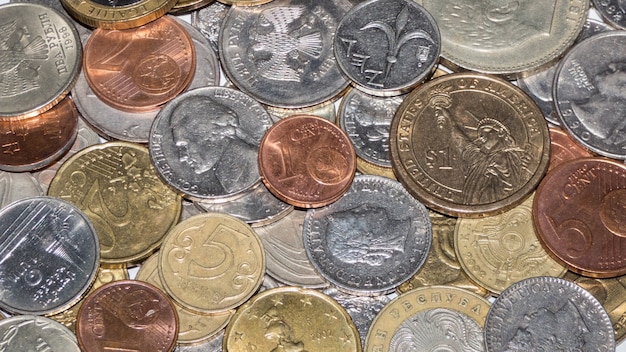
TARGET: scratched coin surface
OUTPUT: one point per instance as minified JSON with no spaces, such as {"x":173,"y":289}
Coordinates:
{"x":307,"y":161}
{"x":142,"y":68}
{"x":121,"y":14}
{"x":469,"y":145}
{"x":50,"y":255}
{"x":40,"y":58}
{"x":117,"y":187}
{"x":35,"y":333}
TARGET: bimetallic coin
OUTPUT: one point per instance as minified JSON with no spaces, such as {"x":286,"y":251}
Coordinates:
{"x":41,"y":57}
{"x":307,"y":161}
{"x":613,"y":11}
{"x":291,"y":319}
{"x":449,"y":318}
{"x":35,"y":333}
{"x":372,"y":239}
{"x":186,"y":6}
{"x":579,"y":216}
{"x":547,"y":314}
{"x":117,"y":187}
{"x":205,"y":142}
{"x":140,"y":69}
{"x":281,"y":53}
{"x":469,"y":145}
{"x":127,"y":315}
{"x":387,"y":47}
{"x":48,"y":255}
{"x":589,"y":95}
{"x":122,"y":14}
{"x":211,"y":263}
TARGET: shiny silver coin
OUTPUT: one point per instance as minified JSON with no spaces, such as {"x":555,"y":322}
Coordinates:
{"x":613,"y":11}
{"x":49,"y":255}
{"x":35,"y":333}
{"x":18,"y":185}
{"x":208,"y":20}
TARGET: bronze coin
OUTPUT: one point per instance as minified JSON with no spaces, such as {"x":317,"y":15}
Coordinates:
{"x":306,"y":161}
{"x":564,"y":148}
{"x":35,"y":142}
{"x":127,"y":315}
{"x":142,"y":68}
{"x":579,"y":213}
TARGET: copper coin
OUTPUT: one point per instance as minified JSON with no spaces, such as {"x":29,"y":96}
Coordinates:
{"x":142,"y":68}
{"x":564,"y":148}
{"x":579,"y":213}
{"x":306,"y":161}
{"x":127,"y":315}
{"x":36,"y":142}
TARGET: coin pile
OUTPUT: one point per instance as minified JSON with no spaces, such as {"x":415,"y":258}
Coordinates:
{"x":297,"y":175}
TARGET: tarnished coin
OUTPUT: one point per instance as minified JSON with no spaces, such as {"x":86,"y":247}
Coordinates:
{"x":372,"y":239}
{"x":117,"y":187}
{"x":579,"y":216}
{"x":281,"y":53}
{"x":142,"y":68}
{"x":469,"y":145}
{"x":589,"y":93}
{"x":41,"y":57}
{"x":307,"y":161}
{"x":387,"y":47}
{"x":564,"y":148}
{"x":613,"y":11}
{"x":35,"y":333}
{"x":83,"y":31}
{"x":49,"y":255}
{"x":450,"y":318}
{"x":211,"y":263}
{"x":205,"y":142}
{"x":547,"y":314}
{"x":291,"y":319}
{"x":119,"y":14}
{"x":127,"y":315}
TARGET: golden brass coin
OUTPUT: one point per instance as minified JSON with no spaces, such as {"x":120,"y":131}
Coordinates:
{"x":244,"y":2}
{"x":186,"y":6}
{"x":117,"y":187}
{"x":372,"y":169}
{"x":211,"y":263}
{"x":123,"y":15}
{"x":469,"y":145}
{"x":291,"y":319}
{"x":500,"y":250}
{"x":437,"y":311}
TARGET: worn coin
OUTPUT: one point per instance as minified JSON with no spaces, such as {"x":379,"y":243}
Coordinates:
{"x":35,"y":333}
{"x":613,"y":11}
{"x":564,"y":148}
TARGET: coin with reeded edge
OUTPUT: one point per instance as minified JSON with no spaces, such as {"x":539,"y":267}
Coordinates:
{"x":35,"y":333}
{"x":291,"y":319}
{"x":117,"y":187}
{"x":120,"y":15}
{"x":469,"y":145}
{"x":425,"y":317}
{"x":41,"y":58}
{"x":307,"y":161}
{"x":211,"y":263}
{"x":127,"y":315}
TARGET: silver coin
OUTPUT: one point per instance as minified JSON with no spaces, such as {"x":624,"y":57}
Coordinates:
{"x":387,"y":47}
{"x":286,"y":259}
{"x":41,"y":57}
{"x":208,"y":20}
{"x":204,"y":143}
{"x":613,"y":11}
{"x":372,"y":239}
{"x":547,"y":314}
{"x":84,"y":32}
{"x":213,"y":345}
{"x":281,"y":53}
{"x":18,"y":185}
{"x":325,"y":110}
{"x":35,"y":333}
{"x":49,"y":255}
{"x":589,"y":93}
{"x":207,"y":65}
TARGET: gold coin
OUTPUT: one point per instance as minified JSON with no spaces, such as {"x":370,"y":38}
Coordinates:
{"x":193,"y":328}
{"x":116,"y":186}
{"x":211,"y":263}
{"x":498,"y":251}
{"x":244,"y":2}
{"x":291,"y":319}
{"x":469,"y":145}
{"x":185,"y":6}
{"x":438,"y":312}
{"x":130,"y":14}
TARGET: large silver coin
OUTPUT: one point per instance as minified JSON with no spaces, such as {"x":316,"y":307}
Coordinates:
{"x":49,"y":255}
{"x":372,"y":239}
{"x":548,"y":314}
{"x":27,"y":333}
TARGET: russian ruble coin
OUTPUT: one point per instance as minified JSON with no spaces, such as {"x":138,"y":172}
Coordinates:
{"x":123,"y":14}
{"x":36,"y":333}
{"x":589,"y":95}
{"x":372,"y":239}
{"x":208,"y":20}
{"x":83,"y":31}
{"x":547,"y":314}
{"x":469,"y":145}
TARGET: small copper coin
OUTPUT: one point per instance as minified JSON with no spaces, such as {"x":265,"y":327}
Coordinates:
{"x":307,"y":161}
{"x":127,"y":315}
{"x":564,"y":148}
{"x":579,"y":215}
{"x":36,"y":142}
{"x":142,"y":68}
